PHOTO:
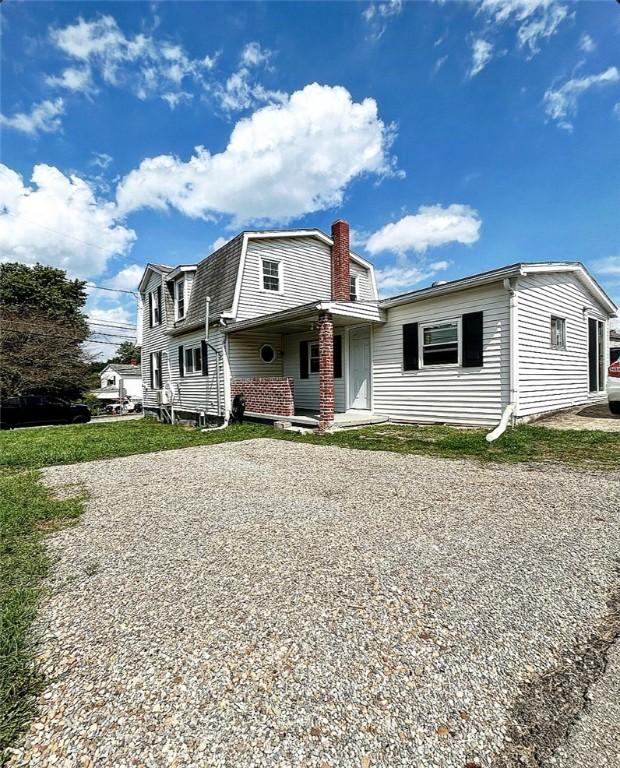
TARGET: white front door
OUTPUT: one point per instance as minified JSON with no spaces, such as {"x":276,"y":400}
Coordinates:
{"x":359,"y":368}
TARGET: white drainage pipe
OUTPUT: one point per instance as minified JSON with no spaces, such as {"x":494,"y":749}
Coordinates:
{"x":501,"y":427}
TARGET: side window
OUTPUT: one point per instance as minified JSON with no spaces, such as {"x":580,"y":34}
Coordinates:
{"x":440,"y":343}
{"x":558,"y":332}
{"x":353,"y":288}
{"x":314,"y":357}
{"x":155,"y":297}
{"x":179,"y":299}
{"x":271,"y":275}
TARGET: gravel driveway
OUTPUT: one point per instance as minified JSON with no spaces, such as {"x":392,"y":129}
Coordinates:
{"x":281,"y":604}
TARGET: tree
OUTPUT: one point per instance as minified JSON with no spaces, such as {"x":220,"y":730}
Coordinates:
{"x":43,"y":331}
{"x":126,"y":352}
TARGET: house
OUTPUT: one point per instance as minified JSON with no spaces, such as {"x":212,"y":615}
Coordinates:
{"x":292,"y":320}
{"x":115,"y":375}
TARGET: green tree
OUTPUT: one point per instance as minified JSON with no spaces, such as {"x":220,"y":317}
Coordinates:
{"x":126,"y":352}
{"x":43,"y":331}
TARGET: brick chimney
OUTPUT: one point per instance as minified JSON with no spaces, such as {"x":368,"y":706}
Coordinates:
{"x":340,"y":261}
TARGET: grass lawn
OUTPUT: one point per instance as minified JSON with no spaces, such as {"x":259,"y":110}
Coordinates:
{"x":28,"y":511}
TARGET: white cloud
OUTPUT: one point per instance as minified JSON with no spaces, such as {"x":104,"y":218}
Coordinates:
{"x":404,"y":275}
{"x":535,"y":20}
{"x":482,"y":53}
{"x":101,"y":160}
{"x":218,"y":243}
{"x":608,"y":266}
{"x":147,"y":66}
{"x":73,"y":79}
{"x":126,"y":279}
{"x":174,"y":99}
{"x":242,"y":89}
{"x":616,"y":110}
{"x":430,"y":227}
{"x":586,"y":43}
{"x":58,"y":221}
{"x":377,"y":16}
{"x":44,"y":117}
{"x":283,"y":161}
{"x":561,"y":104}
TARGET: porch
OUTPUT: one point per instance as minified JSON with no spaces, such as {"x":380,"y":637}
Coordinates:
{"x":311,"y":365}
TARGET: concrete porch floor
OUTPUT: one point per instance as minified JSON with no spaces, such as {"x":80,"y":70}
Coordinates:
{"x":309,"y":418}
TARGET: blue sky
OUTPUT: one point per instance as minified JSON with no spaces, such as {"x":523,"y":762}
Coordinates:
{"x":454,"y":137}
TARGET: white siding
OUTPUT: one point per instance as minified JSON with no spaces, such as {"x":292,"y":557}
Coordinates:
{"x":453,"y":395}
{"x":306,"y":275}
{"x":153,"y":339}
{"x":364,"y":282}
{"x":307,"y":390}
{"x":195,"y":392}
{"x":244,"y":355}
{"x":553,"y":378}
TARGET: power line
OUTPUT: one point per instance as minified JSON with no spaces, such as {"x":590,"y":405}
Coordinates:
{"x":48,"y":336}
{"x":114,"y":290}
{"x":70,"y":338}
{"x":124,"y":326}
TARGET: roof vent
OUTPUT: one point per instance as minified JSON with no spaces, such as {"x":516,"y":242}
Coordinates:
{"x":438,"y":282}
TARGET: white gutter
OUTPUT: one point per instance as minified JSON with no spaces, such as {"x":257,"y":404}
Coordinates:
{"x":511,"y":410}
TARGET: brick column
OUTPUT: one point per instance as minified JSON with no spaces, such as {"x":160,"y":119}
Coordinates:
{"x":326,"y":371}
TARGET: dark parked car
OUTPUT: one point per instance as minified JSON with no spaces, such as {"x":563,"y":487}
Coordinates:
{"x":40,"y":409}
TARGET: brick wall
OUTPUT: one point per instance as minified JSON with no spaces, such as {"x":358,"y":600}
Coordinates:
{"x":340,"y":261}
{"x":272,"y":395}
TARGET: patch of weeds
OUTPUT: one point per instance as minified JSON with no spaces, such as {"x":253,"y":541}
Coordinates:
{"x":28,"y":511}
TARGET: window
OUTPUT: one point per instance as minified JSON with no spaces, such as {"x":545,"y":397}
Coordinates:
{"x":353,"y":294}
{"x":271,"y":276}
{"x":314,"y":357}
{"x":193,"y":360}
{"x":179,"y":299}
{"x":267,"y":353}
{"x":596,"y":355}
{"x":558,"y":332}
{"x":111,"y":382}
{"x":440,"y":343}
{"x":155,"y":298}
{"x":156,"y":381}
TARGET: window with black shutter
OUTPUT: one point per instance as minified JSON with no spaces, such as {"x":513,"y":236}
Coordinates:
{"x":472,"y":340}
{"x":303,"y":360}
{"x":338,"y":357}
{"x":411,"y":356}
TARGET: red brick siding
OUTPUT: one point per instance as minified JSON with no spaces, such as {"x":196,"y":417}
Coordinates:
{"x":340,"y":261}
{"x":273,"y":395}
{"x":326,"y":371}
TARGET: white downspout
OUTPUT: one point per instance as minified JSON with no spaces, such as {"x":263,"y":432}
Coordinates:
{"x":218,"y":370}
{"x":511,"y":410}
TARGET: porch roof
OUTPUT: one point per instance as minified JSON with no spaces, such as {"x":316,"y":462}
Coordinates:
{"x":296,"y":319}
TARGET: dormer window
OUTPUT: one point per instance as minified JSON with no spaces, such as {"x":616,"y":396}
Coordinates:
{"x":155,"y":306}
{"x":353,"y":289}
{"x":179,"y":299}
{"x":271,"y":277}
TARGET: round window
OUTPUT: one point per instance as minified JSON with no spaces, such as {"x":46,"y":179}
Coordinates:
{"x":267,"y":353}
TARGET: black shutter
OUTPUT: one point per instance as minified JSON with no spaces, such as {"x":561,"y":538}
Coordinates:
{"x":337,"y":357}
{"x":410,"y":347}
{"x":159,"y":306}
{"x":181,"y":362}
{"x":592,"y":356}
{"x":152,"y":371}
{"x":160,"y":379}
{"x":472,"y":340}
{"x":204,"y":357}
{"x":151,"y":310}
{"x":303,"y":359}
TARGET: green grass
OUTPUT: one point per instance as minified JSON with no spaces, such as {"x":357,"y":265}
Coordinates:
{"x":28,"y":511}
{"x":34,"y":448}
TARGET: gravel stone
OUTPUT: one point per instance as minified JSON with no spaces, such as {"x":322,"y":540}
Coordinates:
{"x":269,"y":603}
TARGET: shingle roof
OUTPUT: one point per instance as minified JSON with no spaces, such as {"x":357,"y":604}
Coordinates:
{"x":216,"y":277}
{"x":126,"y":370}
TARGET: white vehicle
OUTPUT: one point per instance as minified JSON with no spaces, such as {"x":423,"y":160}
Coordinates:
{"x":613,"y":387}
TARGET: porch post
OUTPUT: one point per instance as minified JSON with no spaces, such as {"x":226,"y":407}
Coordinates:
{"x":326,"y":371}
